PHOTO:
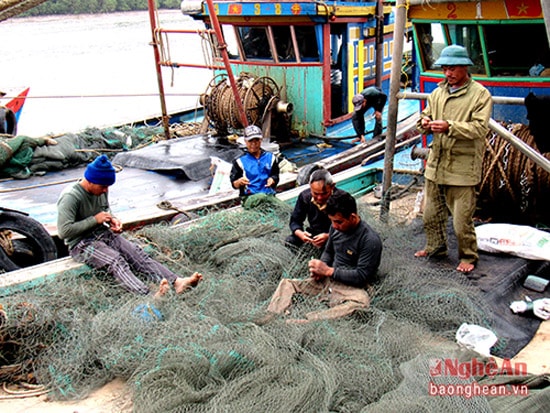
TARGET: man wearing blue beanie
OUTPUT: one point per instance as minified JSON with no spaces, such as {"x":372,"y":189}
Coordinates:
{"x":92,"y":234}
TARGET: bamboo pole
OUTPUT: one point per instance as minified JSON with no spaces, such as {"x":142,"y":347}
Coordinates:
{"x":398,"y":40}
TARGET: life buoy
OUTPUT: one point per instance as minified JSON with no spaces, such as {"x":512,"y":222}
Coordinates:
{"x":32,"y":244}
{"x":8,"y":121}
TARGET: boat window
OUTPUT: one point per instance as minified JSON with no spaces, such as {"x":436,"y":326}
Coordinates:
{"x":431,"y":41}
{"x":231,"y":41}
{"x":255,"y":43}
{"x":467,"y":35}
{"x":307,"y":43}
{"x":514,"y":52}
{"x":283,"y":43}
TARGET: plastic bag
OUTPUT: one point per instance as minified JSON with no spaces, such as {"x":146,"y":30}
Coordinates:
{"x":519,"y":240}
{"x":476,"y":338}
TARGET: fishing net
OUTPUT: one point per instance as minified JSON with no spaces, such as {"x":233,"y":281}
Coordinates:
{"x":203,"y":351}
{"x":29,"y":156}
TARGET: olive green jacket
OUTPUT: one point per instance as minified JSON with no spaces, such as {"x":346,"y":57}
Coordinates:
{"x":456,"y":156}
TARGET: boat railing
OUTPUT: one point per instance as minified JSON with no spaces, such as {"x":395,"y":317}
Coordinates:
{"x":496,"y":127}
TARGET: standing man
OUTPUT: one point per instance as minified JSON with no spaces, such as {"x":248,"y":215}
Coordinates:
{"x":257,"y":171}
{"x":457,"y":115}
{"x":371,"y":97}
{"x":92,"y":233}
{"x":311,"y":206}
{"x":348,"y":265}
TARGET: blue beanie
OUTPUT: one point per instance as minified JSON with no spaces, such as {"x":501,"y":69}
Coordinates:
{"x":100,"y":172}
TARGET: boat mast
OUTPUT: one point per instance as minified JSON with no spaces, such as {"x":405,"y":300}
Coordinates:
{"x":222,"y":46}
{"x":154,"y":43}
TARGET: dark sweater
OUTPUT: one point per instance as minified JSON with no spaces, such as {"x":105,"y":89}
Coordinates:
{"x":319,"y":222}
{"x":355,"y":255}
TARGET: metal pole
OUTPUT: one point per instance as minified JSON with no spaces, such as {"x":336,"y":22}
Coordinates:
{"x":500,"y":100}
{"x":398,"y":40}
{"x":499,"y":129}
{"x":520,"y":145}
{"x":154,"y":43}
{"x":223,"y":49}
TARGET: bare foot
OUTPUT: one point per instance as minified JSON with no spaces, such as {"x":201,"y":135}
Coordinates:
{"x":265,"y":318}
{"x":195,"y":278}
{"x":164,"y":287}
{"x":356,"y":140}
{"x":440,"y":252}
{"x":465,"y":267}
{"x":183,"y":284}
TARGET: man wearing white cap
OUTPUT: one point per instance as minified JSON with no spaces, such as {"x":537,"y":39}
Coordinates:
{"x":457,"y":115}
{"x":370,"y":97}
{"x":92,"y":234}
{"x":257,"y":171}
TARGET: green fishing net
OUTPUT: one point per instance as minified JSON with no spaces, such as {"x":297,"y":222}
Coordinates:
{"x":202,"y":351}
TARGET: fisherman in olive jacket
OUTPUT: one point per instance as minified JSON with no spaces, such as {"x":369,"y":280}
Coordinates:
{"x":457,"y":116}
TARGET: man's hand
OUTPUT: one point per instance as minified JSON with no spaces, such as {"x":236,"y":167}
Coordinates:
{"x":304,"y":236}
{"x":105,"y":218}
{"x":319,"y":240}
{"x":319,"y":270}
{"x":270,"y":182}
{"x":439,"y":126}
{"x":116,"y":225}
{"x":425,"y":123}
{"x":241,"y":182}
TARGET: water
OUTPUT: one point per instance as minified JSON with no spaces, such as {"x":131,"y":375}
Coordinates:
{"x":68,"y":61}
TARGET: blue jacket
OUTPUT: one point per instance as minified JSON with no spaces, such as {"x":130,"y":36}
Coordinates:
{"x":257,"y":170}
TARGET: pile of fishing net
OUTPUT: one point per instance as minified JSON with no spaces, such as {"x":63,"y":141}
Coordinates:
{"x":203,"y":352}
{"x":30,"y":156}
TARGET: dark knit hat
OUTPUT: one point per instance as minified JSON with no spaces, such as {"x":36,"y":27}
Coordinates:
{"x":100,"y":172}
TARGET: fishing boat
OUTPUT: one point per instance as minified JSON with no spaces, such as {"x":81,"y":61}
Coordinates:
{"x":385,"y":358}
{"x":332,"y":53}
{"x":508,"y":43}
{"x":11,"y":105}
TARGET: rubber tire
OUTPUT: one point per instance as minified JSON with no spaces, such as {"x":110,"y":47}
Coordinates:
{"x":305,"y":172}
{"x":36,"y":247}
{"x":8,"y":121}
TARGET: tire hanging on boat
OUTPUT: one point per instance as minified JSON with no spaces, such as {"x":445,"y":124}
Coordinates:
{"x":23,"y":241}
{"x":8,"y":121}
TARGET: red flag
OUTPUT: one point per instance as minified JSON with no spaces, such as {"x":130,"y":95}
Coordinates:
{"x":235,"y":9}
{"x":523,"y":8}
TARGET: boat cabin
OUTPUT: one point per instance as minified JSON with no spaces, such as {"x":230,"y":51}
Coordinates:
{"x":315,"y":55}
{"x":506,"y":40}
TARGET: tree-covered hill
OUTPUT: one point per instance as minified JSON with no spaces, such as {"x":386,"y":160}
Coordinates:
{"x":95,"y":6}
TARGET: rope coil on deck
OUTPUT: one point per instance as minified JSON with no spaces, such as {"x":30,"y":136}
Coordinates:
{"x":512,"y":183}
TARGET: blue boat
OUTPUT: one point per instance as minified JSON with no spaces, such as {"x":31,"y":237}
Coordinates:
{"x":300,"y":96}
{"x":294,"y":65}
